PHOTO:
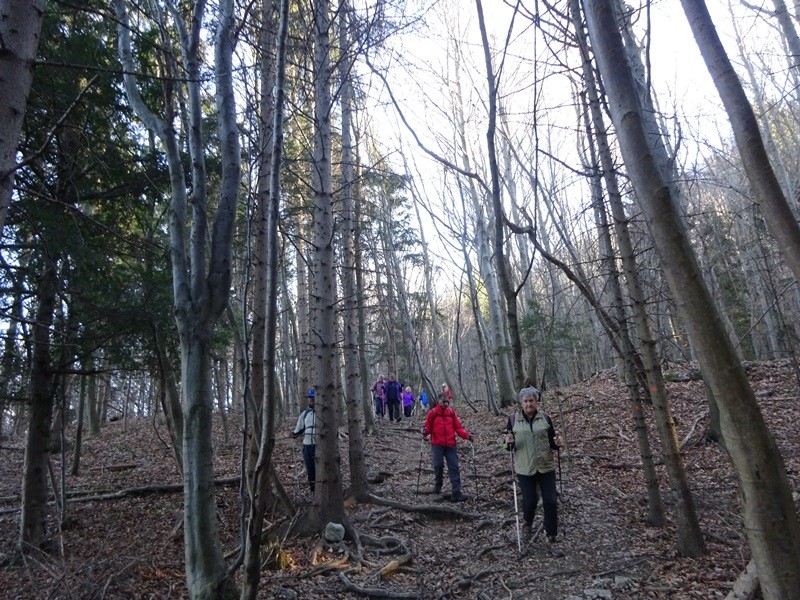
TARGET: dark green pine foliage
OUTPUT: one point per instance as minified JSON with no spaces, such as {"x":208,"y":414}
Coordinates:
{"x":91,"y":201}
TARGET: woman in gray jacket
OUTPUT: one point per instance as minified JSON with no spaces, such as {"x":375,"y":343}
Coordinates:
{"x":531,"y":436}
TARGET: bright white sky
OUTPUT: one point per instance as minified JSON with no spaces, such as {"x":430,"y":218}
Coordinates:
{"x":421,"y":74}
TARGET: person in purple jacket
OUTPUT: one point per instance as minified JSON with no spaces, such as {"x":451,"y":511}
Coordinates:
{"x":408,"y":402}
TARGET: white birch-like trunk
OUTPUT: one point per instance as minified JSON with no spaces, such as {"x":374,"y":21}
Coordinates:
{"x":200,"y":295}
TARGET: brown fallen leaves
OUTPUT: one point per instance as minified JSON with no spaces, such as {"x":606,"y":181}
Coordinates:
{"x":416,"y":545}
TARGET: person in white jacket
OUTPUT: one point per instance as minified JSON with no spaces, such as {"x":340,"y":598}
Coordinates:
{"x":307,"y":427}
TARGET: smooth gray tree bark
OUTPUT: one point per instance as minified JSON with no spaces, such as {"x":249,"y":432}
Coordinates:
{"x":201,"y":272}
{"x":775,"y":208}
{"x":769,"y":514}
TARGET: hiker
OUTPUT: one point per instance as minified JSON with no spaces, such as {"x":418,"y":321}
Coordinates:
{"x":446,"y":391}
{"x":378,"y":396}
{"x":307,"y":426}
{"x":423,"y":400}
{"x":530,"y":435}
{"x":393,"y":391}
{"x":442,"y":424}
{"x":408,"y":402}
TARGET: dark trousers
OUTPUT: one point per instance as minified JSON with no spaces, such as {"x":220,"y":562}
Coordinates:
{"x":530,"y":498}
{"x":309,"y":451}
{"x":449,"y":454}
{"x":394,"y":409}
{"x":378,"y":406}
{"x":407,"y":410}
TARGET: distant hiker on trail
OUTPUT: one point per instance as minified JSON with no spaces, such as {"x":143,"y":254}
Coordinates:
{"x":423,"y":400}
{"x":446,"y":391}
{"x":530,"y":435}
{"x":408,"y":402}
{"x":393,"y":391}
{"x":442,"y":424}
{"x":307,"y":427}
{"x":378,"y":396}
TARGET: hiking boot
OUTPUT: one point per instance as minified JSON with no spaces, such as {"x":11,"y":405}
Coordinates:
{"x":437,"y":489}
{"x":457,"y":497}
{"x":552,"y":549}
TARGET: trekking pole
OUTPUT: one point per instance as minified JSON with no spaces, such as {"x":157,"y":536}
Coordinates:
{"x":419,"y":471}
{"x":516,"y":505}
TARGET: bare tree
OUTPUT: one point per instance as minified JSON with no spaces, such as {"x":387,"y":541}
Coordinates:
{"x":766,"y":187}
{"x":769,"y":514}
{"x":201,"y":273}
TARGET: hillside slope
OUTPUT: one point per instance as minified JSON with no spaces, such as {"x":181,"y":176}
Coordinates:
{"x":130,"y":546}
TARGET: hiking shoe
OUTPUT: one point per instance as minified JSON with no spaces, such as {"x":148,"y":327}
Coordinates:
{"x":437,"y":489}
{"x":457,"y":497}
{"x":552,"y":549}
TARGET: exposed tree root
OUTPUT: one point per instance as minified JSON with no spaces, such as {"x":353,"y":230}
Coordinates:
{"x":375,"y":592}
{"x":433,"y":512}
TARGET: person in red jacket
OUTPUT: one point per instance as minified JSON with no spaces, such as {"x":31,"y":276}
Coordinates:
{"x":442,"y":424}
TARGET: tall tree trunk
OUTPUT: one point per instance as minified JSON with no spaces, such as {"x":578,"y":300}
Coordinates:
{"x":201,"y":284}
{"x":268,"y":399}
{"x":20,"y":27}
{"x":503,"y":275}
{"x":497,"y":318}
{"x":33,"y":517}
{"x":352,"y":379}
{"x":328,"y":492}
{"x":689,"y":535}
{"x":769,"y":514}
{"x":775,"y":209}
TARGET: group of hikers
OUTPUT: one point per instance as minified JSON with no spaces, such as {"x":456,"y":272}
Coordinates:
{"x":388,"y":395}
{"x":529,"y":437}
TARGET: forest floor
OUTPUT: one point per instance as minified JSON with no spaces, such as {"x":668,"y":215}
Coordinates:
{"x":130,"y":545}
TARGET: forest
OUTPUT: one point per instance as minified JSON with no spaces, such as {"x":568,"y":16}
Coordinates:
{"x":210,"y":209}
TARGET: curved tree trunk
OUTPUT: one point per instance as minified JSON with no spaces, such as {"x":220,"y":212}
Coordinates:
{"x":500,"y":259}
{"x":269,"y":204}
{"x":200,"y":296}
{"x":689,"y":535}
{"x":775,"y":209}
{"x":769,"y":514}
